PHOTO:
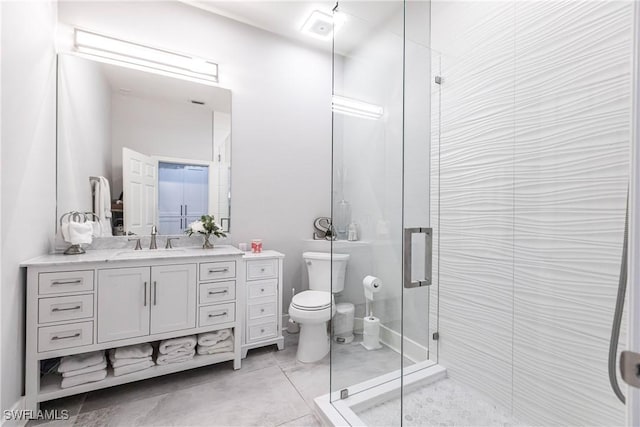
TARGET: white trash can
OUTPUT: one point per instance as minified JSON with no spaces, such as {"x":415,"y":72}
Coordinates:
{"x":343,"y":323}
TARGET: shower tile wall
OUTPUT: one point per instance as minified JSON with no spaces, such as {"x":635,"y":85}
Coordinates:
{"x":532,"y":169}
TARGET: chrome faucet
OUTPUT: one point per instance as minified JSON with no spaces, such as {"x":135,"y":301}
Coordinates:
{"x":154,"y":233}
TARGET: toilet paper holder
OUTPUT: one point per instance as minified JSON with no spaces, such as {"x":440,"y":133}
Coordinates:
{"x":408,"y":255}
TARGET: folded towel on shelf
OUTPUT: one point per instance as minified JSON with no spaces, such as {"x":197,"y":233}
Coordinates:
{"x":165,"y":359}
{"x":134,"y":367}
{"x":211,"y":338}
{"x":116,"y":363}
{"x":169,"y":346}
{"x":90,"y":377}
{"x":221,"y":347}
{"x":180,"y":352}
{"x":80,"y":232}
{"x":81,"y":361}
{"x":132,"y":351}
{"x":86,"y":370}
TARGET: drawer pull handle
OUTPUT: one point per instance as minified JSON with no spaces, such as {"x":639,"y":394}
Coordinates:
{"x":56,"y":338}
{"x":155,"y":293}
{"x":66,"y":282}
{"x":218,"y":270}
{"x":217,"y":292}
{"x":56,"y":309}
{"x":218,"y":315}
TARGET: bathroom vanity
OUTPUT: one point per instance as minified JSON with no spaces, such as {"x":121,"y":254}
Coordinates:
{"x":112,"y":298}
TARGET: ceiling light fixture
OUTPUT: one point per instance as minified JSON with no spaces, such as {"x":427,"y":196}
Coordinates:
{"x":355,"y":108}
{"x":110,"y":48}
{"x":322,"y":26}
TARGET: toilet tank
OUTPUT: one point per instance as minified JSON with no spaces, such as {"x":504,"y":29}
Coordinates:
{"x":319,"y":269}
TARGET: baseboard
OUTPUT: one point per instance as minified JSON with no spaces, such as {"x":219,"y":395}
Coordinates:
{"x":17,"y":407}
{"x":412,"y":350}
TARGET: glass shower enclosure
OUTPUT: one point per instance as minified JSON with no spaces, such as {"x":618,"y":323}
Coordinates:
{"x":482,"y":148}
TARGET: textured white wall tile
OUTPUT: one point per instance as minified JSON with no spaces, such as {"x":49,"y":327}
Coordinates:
{"x":528,"y":194}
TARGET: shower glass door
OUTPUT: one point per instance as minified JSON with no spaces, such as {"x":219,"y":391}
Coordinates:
{"x":381,"y":184}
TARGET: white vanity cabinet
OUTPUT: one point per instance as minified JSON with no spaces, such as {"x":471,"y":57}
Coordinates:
{"x":103,"y":300}
{"x":263,"y":300}
{"x":138,"y":301}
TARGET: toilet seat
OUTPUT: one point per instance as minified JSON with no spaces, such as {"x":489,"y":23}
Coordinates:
{"x":312,"y":300}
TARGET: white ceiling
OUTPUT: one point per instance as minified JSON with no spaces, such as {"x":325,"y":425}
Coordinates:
{"x":149,"y":85}
{"x":286,"y":17}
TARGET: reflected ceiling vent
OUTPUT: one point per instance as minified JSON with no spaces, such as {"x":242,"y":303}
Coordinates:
{"x":135,"y":55}
{"x":320,"y":25}
{"x":355,"y":108}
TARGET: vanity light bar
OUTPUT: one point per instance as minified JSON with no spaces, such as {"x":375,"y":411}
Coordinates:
{"x":111,"y":48}
{"x":355,"y":108}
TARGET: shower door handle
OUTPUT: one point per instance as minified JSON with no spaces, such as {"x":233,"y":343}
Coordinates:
{"x":408,"y":255}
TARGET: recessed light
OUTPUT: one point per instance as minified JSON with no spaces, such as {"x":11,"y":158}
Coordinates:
{"x":322,"y":26}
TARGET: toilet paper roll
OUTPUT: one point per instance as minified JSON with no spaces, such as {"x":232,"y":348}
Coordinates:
{"x":371,"y":285}
{"x":371,"y":333}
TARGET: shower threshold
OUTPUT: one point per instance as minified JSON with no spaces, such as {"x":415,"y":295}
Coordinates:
{"x":335,"y":411}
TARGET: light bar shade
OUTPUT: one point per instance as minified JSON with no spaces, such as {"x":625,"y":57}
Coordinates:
{"x":355,"y":108}
{"x":94,"y":44}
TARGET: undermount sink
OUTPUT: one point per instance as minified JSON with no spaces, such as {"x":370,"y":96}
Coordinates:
{"x":146,"y":253}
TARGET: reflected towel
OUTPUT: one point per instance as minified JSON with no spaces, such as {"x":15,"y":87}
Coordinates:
{"x":211,"y":338}
{"x":135,"y":367}
{"x":81,"y":361}
{"x":169,"y":346}
{"x":137,"y":351}
{"x":221,"y":347}
{"x":86,"y":370}
{"x":165,"y":359}
{"x":90,"y":377}
{"x":102,"y":204}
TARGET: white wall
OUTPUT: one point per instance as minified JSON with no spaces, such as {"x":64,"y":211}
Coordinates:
{"x":281,"y":118}
{"x":532,"y":168}
{"x":84,"y":131}
{"x":28,"y":166}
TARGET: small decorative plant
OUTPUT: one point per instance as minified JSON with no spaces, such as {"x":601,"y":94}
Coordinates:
{"x":206,"y":225}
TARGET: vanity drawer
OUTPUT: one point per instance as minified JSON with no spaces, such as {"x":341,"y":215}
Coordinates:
{"x":262,"y":288}
{"x":65,"y":336}
{"x":218,"y":270}
{"x":216,"y":314}
{"x":262,"y":331}
{"x":217,"y":292}
{"x":260,"y":311}
{"x":65,"y":281}
{"x":65,"y":308}
{"x":262,"y":269}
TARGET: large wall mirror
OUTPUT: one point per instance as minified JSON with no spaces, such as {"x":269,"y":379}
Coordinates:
{"x":140,"y":149}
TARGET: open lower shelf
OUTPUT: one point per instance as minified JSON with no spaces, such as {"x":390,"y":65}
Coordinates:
{"x":50,"y":384}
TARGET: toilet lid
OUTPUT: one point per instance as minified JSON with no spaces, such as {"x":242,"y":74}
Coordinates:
{"x":311,"y":300}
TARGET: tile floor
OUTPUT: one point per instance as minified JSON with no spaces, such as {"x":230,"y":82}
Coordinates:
{"x":271,"y":389}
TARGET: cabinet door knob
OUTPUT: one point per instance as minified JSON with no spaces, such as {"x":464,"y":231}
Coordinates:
{"x":262,"y":310}
{"x":262,"y":331}
{"x":262,"y":269}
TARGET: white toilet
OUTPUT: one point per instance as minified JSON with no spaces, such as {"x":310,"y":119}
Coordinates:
{"x":312,"y":309}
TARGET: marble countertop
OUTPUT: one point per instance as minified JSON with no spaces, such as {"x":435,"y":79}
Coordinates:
{"x":264,"y":254}
{"x":117,"y":255}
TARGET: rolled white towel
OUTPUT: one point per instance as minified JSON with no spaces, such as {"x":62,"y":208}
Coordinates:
{"x":136,"y":351}
{"x":86,"y":370}
{"x":90,"y":377}
{"x":221,"y":347}
{"x":135,"y":367}
{"x":81,"y":361}
{"x":80,"y":232}
{"x":211,"y":338}
{"x":169,"y":346}
{"x":165,"y":359}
